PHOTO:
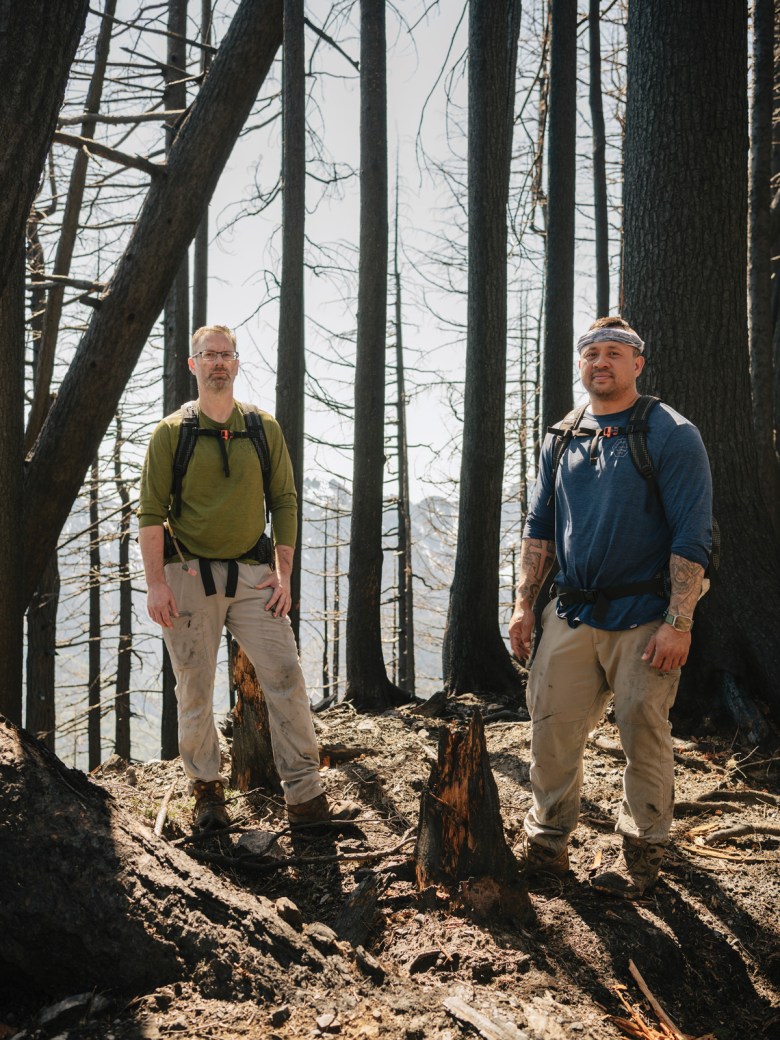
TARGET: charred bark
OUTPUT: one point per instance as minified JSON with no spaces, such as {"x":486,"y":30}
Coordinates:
{"x":368,"y":686}
{"x":460,"y":835}
{"x":475,"y":657}
{"x":253,"y":757}
{"x":100,"y":902}
{"x":11,"y":456}
{"x":685,"y":291}
{"x":558,"y":373}
{"x":600,"y":211}
{"x":291,"y":358}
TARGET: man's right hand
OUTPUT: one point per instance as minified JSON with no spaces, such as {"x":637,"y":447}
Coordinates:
{"x":521,"y":627}
{"x":160,"y":604}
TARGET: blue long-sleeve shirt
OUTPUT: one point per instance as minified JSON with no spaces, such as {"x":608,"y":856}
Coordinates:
{"x":607,"y":523}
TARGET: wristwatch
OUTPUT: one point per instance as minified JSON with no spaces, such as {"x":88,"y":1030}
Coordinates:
{"x":680,"y":622}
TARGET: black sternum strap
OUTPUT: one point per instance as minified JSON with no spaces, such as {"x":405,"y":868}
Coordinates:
{"x":223,"y":436}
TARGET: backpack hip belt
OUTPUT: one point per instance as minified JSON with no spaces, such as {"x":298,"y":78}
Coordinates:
{"x":569,"y":596}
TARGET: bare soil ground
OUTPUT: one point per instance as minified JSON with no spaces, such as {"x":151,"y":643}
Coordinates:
{"x":705,"y":941}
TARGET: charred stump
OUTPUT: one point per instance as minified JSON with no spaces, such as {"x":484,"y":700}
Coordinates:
{"x":252,"y":758}
{"x":93,"y":899}
{"x":460,"y":836}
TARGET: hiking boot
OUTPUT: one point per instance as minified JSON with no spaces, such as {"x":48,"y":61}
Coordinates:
{"x":209,"y":812}
{"x":318,"y":811}
{"x":535,"y":859}
{"x":635,"y":872}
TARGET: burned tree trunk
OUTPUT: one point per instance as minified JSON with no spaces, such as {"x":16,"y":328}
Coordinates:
{"x":99,"y":901}
{"x":460,"y":836}
{"x":252,"y":758}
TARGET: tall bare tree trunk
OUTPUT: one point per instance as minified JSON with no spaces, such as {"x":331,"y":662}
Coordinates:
{"x":601,"y":215}
{"x":68,"y":232}
{"x":200,"y":263}
{"x":42,"y":612}
{"x":475,"y":657}
{"x":124,"y":650}
{"x":406,"y":665}
{"x":35,"y":37}
{"x":368,"y":686}
{"x":760,"y":253}
{"x":335,"y":668}
{"x":94,"y":680}
{"x":291,"y":362}
{"x":11,"y":466}
{"x":685,"y":291}
{"x":177,"y":380}
{"x":557,"y":376}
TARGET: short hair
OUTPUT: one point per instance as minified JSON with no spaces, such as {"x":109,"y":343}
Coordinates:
{"x":206,"y":330}
{"x":614,"y":321}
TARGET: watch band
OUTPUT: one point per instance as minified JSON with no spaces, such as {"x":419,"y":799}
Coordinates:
{"x":679,"y":622}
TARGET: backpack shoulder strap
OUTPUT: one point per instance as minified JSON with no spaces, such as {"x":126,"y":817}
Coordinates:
{"x":188,"y":436}
{"x":636,"y":435}
{"x":256,"y":432}
{"x":563,"y":434}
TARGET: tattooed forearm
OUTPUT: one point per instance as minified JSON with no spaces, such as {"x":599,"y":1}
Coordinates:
{"x":686,"y":585}
{"x":536,"y":559}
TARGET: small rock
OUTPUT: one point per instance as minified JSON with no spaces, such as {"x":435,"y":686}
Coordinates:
{"x":279,"y":1015}
{"x":329,"y":1023}
{"x":289,"y":913}
{"x":321,"y":935}
{"x":259,"y":843}
{"x":369,"y":965}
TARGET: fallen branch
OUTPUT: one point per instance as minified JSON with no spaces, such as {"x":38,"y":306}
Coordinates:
{"x":740,"y":830}
{"x":159,"y":823}
{"x":491,"y":1030}
{"x":654,"y":1004}
{"x":249,"y":863}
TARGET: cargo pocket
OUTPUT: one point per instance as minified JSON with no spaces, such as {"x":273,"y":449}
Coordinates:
{"x":186,"y":642}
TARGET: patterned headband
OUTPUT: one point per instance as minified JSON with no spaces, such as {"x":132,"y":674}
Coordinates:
{"x":610,"y":335}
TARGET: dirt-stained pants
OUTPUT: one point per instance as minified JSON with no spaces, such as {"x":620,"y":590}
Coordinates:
{"x":268,"y":642}
{"x":572,"y":676}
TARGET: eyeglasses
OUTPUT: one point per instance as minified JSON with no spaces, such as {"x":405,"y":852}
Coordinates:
{"x":212,"y":355}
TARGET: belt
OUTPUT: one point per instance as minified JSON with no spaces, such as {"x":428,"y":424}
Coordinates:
{"x":569,"y":596}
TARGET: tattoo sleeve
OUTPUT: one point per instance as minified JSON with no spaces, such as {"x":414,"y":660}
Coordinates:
{"x":686,"y":585}
{"x":536,"y":559}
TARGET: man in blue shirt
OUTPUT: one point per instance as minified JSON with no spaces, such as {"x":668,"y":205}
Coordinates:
{"x":631,"y":565}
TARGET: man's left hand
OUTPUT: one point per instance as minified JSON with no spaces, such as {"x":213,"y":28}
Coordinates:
{"x":668,"y":649}
{"x":281,"y":598}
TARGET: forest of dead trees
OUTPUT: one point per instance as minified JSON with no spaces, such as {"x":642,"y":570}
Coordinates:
{"x":584,"y":159}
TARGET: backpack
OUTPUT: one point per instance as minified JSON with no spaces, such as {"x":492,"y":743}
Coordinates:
{"x":635,"y":432}
{"x":189,"y":432}
{"x":188,"y":438}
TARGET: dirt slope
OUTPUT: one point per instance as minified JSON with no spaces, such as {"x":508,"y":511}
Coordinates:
{"x":705,"y":942}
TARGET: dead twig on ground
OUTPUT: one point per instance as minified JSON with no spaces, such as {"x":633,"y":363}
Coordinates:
{"x":261,"y":864}
{"x":159,"y":823}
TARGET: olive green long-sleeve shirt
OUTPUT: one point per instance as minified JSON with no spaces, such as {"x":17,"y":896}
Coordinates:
{"x":221,"y":517}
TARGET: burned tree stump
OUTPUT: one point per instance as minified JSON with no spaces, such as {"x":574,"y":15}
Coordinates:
{"x":460,"y":836}
{"x":93,"y":899}
{"x":252,"y":758}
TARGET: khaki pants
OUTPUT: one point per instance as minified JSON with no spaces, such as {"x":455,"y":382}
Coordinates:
{"x":571,"y":679}
{"x":268,"y":642}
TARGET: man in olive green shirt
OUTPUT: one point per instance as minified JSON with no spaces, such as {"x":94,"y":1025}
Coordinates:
{"x":195,"y":588}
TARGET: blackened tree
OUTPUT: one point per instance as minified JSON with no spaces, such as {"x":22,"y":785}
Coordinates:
{"x":368,"y":686}
{"x":474,"y":655}
{"x":685,"y":290}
